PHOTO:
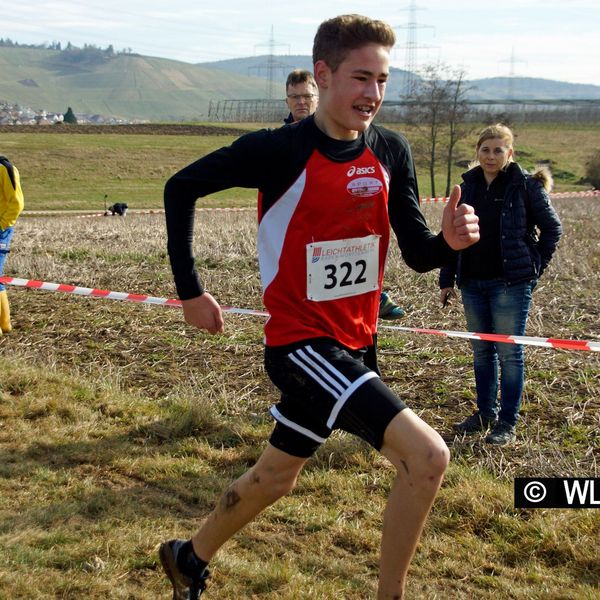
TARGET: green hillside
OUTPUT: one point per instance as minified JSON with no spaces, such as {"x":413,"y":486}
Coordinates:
{"x":124,"y":85}
{"x":283,"y":64}
{"x":131,"y":86}
{"x":491,"y":88}
{"x":527,"y":88}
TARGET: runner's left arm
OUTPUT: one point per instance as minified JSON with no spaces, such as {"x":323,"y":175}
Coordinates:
{"x":421,"y":249}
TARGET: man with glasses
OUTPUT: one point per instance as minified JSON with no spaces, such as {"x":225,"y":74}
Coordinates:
{"x":302,"y":95}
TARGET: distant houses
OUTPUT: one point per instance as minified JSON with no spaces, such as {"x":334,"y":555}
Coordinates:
{"x":15,"y":114}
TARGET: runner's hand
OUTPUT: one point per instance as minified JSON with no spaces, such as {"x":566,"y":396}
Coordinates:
{"x":203,"y":312}
{"x":460,"y":224}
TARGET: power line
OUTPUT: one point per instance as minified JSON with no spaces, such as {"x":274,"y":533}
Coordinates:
{"x":410,"y":61}
{"x":271,"y":65}
{"x":510,"y":89}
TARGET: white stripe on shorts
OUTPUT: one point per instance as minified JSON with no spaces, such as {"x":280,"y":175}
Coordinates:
{"x":349,"y":391}
{"x":327,"y":365}
{"x":329,"y":378}
{"x":314,"y":371}
{"x":284,"y":421}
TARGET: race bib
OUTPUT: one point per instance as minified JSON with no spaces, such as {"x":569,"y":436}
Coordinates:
{"x":342,"y":268}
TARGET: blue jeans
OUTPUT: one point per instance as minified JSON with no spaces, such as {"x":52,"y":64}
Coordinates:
{"x":491,"y":306}
{"x":5,"y":237}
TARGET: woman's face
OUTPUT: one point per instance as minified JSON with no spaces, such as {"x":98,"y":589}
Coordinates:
{"x":493,"y":155}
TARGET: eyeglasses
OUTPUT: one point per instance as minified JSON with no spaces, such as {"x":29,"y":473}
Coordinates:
{"x":296,"y":97}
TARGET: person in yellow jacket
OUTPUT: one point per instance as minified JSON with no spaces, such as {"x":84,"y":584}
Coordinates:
{"x":11,"y":205}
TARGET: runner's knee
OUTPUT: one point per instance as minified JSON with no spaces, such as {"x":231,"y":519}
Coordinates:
{"x":428,"y":465}
{"x":418,"y":453}
{"x":274,"y":483}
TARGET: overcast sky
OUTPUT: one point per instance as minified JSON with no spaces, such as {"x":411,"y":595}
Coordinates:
{"x":553,"y":39}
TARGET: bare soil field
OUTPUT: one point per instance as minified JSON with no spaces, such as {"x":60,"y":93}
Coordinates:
{"x":130,"y":129}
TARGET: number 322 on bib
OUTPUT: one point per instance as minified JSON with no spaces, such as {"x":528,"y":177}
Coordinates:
{"x":342,"y":268}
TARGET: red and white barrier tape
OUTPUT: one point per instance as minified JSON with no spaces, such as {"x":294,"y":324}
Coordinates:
{"x":489,"y":337}
{"x":507,"y":339}
{"x":432,"y":200}
{"x":435,"y":200}
{"x":586,"y":194}
{"x":151,"y":211}
{"x":83,"y":291}
{"x":96,"y":293}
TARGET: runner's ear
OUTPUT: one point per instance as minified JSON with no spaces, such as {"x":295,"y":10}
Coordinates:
{"x":322,"y":74}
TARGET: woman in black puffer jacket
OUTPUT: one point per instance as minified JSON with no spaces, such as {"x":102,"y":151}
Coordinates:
{"x":519,"y":231}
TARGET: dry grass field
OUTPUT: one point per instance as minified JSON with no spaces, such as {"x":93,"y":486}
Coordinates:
{"x":119,"y":426}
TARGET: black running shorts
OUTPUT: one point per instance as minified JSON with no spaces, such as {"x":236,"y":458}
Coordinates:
{"x":325,"y":386}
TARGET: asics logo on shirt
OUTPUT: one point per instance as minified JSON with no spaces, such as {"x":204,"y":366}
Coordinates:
{"x":360,"y":171}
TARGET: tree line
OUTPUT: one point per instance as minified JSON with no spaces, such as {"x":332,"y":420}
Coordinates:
{"x":436,"y":105}
{"x":89,"y":49}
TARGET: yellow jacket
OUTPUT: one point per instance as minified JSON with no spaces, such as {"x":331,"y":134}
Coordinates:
{"x":11,"y":194}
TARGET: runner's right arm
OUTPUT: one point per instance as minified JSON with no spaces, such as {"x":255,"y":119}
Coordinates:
{"x":231,"y":166}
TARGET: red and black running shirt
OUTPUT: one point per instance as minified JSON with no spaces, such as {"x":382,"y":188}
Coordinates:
{"x":318,"y":198}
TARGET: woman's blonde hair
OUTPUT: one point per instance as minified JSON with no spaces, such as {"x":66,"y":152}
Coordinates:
{"x":491,"y":132}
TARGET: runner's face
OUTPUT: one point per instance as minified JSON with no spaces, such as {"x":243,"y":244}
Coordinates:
{"x":351,"y":97}
{"x":302,"y":100}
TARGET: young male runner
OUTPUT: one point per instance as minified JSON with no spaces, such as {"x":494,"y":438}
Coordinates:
{"x":302,"y":98}
{"x":329,"y":185}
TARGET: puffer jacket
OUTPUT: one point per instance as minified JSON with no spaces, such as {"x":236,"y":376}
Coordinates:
{"x":529,"y":226}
